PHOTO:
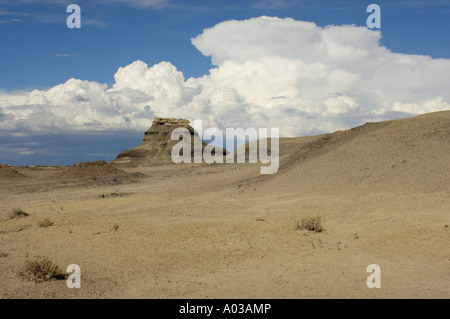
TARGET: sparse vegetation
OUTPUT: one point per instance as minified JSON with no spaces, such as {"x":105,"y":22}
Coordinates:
{"x":41,"y":268}
{"x":17,"y":213}
{"x":115,"y":227}
{"x":311,"y":223}
{"x":46,"y":222}
{"x":3,"y":255}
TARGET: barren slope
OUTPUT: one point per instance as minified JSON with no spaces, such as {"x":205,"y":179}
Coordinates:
{"x":224,"y":231}
{"x":400,"y":156}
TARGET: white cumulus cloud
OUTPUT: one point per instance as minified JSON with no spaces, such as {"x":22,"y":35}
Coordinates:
{"x":269,"y":72}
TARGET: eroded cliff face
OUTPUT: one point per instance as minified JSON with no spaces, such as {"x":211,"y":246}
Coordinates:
{"x":157,"y":144}
{"x":161,"y":130}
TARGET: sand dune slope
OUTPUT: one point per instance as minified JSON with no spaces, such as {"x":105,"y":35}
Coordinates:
{"x":400,"y":156}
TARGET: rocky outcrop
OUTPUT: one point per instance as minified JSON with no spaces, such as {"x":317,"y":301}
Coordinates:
{"x":8,"y":172}
{"x":157,"y":144}
{"x":161,"y":129}
{"x":92,"y":170}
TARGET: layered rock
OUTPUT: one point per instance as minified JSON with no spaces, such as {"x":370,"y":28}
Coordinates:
{"x":157,"y":144}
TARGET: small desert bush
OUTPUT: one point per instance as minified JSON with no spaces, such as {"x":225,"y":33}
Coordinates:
{"x":41,"y":268}
{"x":311,"y":223}
{"x":17,"y":212}
{"x":46,"y":222}
{"x":115,"y":227}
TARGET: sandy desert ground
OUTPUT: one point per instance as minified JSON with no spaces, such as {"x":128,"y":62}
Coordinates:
{"x":225,"y":231}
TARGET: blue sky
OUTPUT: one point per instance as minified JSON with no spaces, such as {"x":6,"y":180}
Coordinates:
{"x":116,"y":34}
{"x":38,"y":51}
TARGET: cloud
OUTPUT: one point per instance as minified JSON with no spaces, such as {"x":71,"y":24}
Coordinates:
{"x":143,"y":3}
{"x":58,"y":55}
{"x":17,"y":150}
{"x":13,"y":13}
{"x":421,"y":4}
{"x":331,"y":77}
{"x":11,"y":20}
{"x":270,"y":4}
{"x":133,"y":3}
{"x":269,"y":72}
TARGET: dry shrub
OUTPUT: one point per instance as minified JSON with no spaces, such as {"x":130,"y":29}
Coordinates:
{"x":46,"y":222}
{"x":311,"y":223}
{"x":17,"y":213}
{"x":41,"y":268}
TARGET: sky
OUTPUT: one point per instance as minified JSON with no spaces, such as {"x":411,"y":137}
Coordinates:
{"x":307,"y":67}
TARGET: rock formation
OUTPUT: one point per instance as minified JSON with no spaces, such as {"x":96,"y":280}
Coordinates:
{"x":157,"y":144}
{"x":8,"y":172}
{"x":92,"y":170}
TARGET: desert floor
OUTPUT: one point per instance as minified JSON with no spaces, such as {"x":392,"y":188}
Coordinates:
{"x":222,"y":231}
